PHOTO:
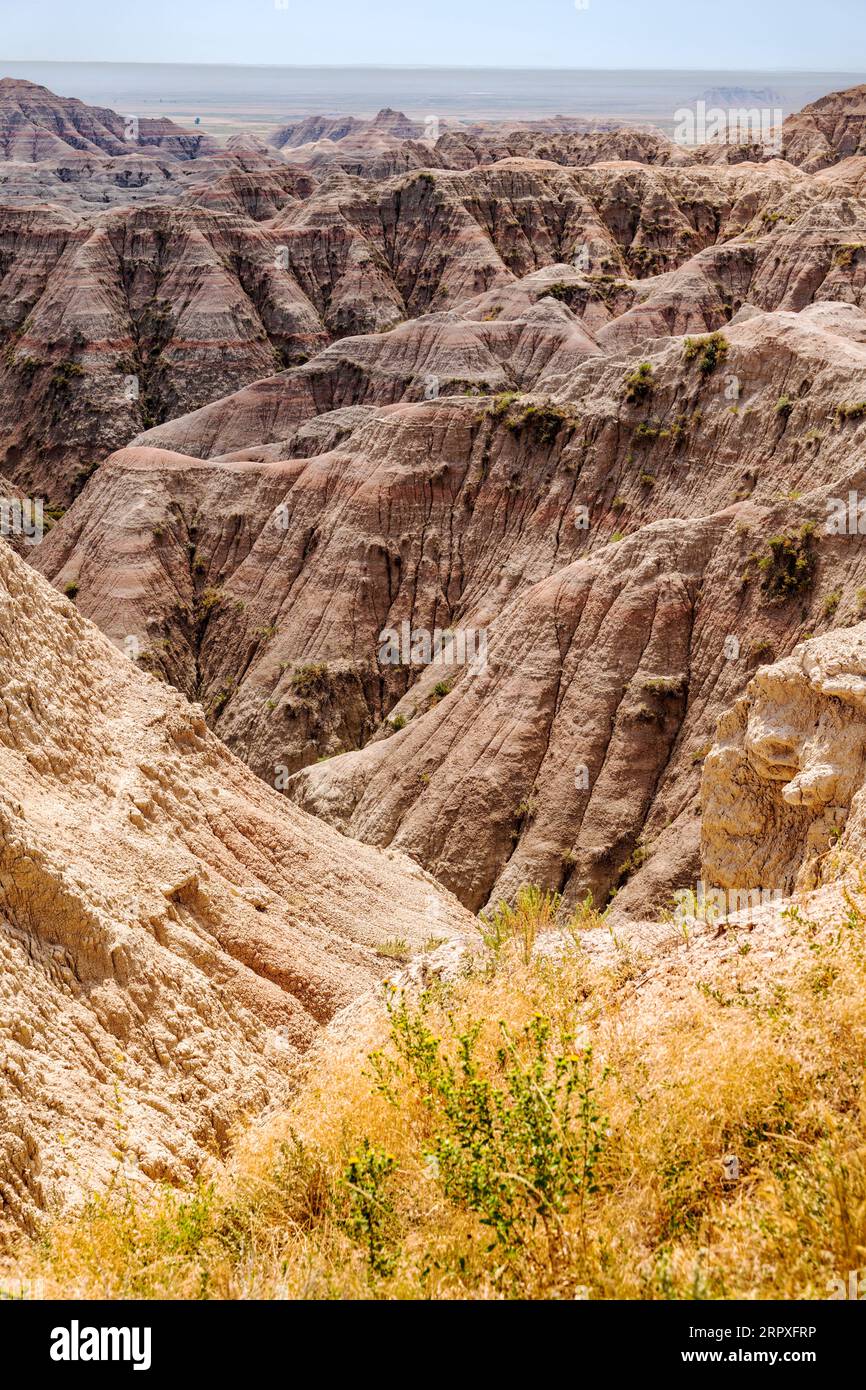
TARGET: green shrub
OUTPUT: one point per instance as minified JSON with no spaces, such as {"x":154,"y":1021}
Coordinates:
{"x":646,"y":432}
{"x":520,"y":1151}
{"x":831,"y":602}
{"x":709,"y":352}
{"x":208,"y":600}
{"x":222,"y":698}
{"x":63,"y":374}
{"x":761,"y":652}
{"x":788,"y":565}
{"x":27,"y":366}
{"x":561,"y":291}
{"x":639,"y":384}
{"x":668,"y":686}
{"x":371,"y":1218}
{"x":845,"y":255}
{"x":632,"y":863}
{"x":545,"y":421}
{"x":534,"y":910}
{"x":396,"y":948}
{"x":308,"y":679}
{"x":500,"y":407}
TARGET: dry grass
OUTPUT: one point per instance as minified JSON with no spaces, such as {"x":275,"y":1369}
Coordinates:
{"x":350,"y":1194}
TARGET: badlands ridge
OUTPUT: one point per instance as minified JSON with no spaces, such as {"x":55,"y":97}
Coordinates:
{"x":590,"y":394}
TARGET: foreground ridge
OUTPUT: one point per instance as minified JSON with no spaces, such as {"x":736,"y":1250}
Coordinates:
{"x":173,"y":934}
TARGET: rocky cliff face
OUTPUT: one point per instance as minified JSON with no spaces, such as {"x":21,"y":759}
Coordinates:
{"x":783,"y":794}
{"x":61,"y":150}
{"x":35,"y":124}
{"x":121,"y":321}
{"x":462,"y":503}
{"x":630,"y":534}
{"x":114,"y":325}
{"x":556,"y":401}
{"x":172,"y":933}
{"x":828,"y":130}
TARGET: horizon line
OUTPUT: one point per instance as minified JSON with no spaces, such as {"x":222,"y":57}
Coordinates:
{"x":415,"y":67}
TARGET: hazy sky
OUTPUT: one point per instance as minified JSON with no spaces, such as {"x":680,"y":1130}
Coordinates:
{"x":804,"y":34}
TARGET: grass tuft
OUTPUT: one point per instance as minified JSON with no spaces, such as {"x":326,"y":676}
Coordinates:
{"x":546,"y":1124}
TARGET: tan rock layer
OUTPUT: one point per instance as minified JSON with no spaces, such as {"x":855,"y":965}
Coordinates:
{"x":173,"y":933}
{"x":782,"y":796}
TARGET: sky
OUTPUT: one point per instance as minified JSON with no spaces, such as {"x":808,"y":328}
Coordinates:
{"x":814,"y":35}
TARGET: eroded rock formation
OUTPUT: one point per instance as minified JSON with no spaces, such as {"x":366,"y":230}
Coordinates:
{"x":783,"y":794}
{"x":627,"y":533}
{"x":585,"y":398}
{"x":172,"y":933}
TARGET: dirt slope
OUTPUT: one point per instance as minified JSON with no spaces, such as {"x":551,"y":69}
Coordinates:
{"x":173,"y":934}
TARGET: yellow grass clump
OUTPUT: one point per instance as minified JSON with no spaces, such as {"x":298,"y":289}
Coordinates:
{"x":551,"y":1123}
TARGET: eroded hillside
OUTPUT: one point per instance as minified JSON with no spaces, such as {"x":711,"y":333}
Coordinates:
{"x":596,"y":410}
{"x":173,"y":934}
{"x":425,"y":519}
{"x":611,"y":549}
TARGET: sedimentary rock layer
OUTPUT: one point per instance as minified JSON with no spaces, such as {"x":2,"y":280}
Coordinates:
{"x":172,"y":933}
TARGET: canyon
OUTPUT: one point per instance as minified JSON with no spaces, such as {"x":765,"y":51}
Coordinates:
{"x":592,"y":397}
